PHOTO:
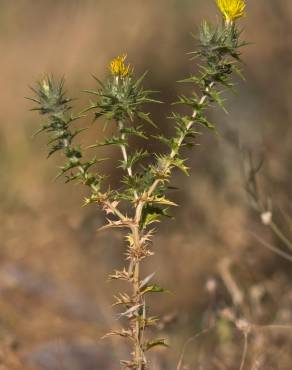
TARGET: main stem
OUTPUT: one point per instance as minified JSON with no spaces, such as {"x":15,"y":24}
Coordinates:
{"x":138,"y":328}
{"x":139,"y":356}
{"x":139,"y":300}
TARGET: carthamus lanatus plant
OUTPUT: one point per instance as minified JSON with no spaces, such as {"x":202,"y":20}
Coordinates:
{"x":141,"y":198}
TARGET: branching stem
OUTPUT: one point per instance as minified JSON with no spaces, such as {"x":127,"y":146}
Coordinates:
{"x":139,"y":300}
{"x":174,"y":152}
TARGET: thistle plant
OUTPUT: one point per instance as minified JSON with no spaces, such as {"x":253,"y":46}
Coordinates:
{"x":141,"y":198}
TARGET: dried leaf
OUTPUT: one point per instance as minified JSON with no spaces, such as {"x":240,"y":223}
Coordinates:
{"x":146,"y":280}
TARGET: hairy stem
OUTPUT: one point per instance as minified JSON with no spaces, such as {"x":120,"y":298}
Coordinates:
{"x":138,"y":329}
{"x":141,"y":360}
{"x":139,"y":356}
{"x":125,"y":154}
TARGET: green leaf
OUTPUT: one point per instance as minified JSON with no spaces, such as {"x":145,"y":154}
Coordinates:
{"x":162,"y":200}
{"x":157,"y":342}
{"x":115,"y":140}
{"x":154,"y":289}
{"x":204,"y":122}
{"x":136,"y":157}
{"x":135,"y":131}
{"x":170,"y":142}
{"x":146,"y":117}
{"x":152,"y":214}
{"x":216,"y":97}
{"x":180,"y":163}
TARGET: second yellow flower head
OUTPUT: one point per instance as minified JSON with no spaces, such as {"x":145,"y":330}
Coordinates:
{"x":119,"y":68}
{"x":231,"y":9}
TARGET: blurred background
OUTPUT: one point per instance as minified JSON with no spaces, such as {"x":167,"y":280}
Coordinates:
{"x":55,"y":301}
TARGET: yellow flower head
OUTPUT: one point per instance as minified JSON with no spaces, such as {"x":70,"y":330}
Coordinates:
{"x":231,"y":9}
{"x":118,"y":66}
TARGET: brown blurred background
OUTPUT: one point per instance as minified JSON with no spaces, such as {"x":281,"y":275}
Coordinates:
{"x":55,"y":301}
